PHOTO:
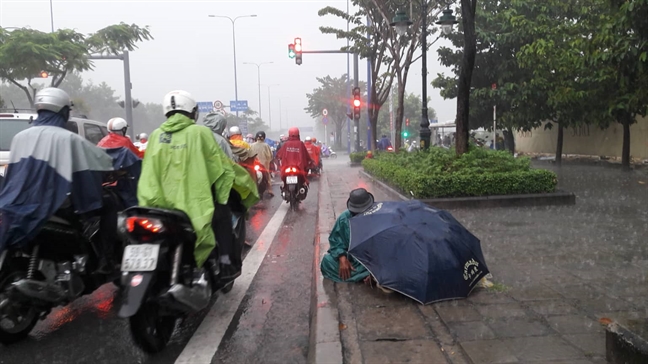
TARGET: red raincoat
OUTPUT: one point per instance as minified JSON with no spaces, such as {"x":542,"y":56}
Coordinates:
{"x":313,"y":152}
{"x":113,"y":140}
{"x":294,"y":153}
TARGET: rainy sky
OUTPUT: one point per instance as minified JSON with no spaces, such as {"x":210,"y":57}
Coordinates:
{"x":192,"y":51}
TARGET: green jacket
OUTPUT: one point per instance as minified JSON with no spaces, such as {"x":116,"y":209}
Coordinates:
{"x":181,"y":164}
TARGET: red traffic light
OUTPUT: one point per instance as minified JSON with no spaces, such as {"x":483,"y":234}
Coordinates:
{"x":298,"y":45}
{"x":356,"y":103}
{"x":44,"y":74}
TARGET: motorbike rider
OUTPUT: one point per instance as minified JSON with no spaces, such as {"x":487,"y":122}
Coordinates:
{"x":264,"y":155}
{"x":186,"y":170}
{"x":44,"y":176}
{"x":217,"y":123}
{"x":313,"y":151}
{"x":236,"y":138}
{"x":142,"y":141}
{"x":294,"y":153}
{"x":319,"y":152}
{"x":116,"y":137}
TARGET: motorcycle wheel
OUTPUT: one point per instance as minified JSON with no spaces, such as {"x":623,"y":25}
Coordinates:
{"x":151,"y":332}
{"x":262,"y":186}
{"x":24,"y":320}
{"x":293,"y":201}
{"x":333,"y":156}
{"x":228,"y":288}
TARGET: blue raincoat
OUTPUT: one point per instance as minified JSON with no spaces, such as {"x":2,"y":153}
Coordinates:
{"x":47,"y":165}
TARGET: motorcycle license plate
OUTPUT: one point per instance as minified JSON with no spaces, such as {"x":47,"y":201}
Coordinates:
{"x":140,"y":258}
{"x":291,"y":180}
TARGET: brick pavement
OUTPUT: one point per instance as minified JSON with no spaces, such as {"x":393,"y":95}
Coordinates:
{"x":557,"y":271}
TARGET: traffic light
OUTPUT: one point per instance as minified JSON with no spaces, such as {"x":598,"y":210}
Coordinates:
{"x":356,"y":103}
{"x":291,"y":51}
{"x":44,"y":74}
{"x":405,"y":134}
{"x":406,"y":122}
{"x":298,"y":51}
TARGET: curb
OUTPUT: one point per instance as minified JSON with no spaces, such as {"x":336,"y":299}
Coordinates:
{"x":325,"y":342}
{"x":557,"y":198}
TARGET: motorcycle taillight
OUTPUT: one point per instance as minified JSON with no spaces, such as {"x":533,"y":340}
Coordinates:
{"x":291,"y":169}
{"x":148,"y":224}
{"x":257,"y":167}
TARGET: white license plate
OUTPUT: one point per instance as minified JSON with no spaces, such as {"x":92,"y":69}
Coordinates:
{"x":140,"y":258}
{"x":291,"y":180}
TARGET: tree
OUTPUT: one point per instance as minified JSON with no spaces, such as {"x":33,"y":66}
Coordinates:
{"x":25,"y":53}
{"x":374,"y":49}
{"x":411,"y":112}
{"x":518,"y":104}
{"x":618,"y":59}
{"x":402,"y":48}
{"x":254,"y":122}
{"x":332,"y":96}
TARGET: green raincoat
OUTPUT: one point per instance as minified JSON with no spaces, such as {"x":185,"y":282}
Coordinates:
{"x":339,"y":245}
{"x":181,"y":164}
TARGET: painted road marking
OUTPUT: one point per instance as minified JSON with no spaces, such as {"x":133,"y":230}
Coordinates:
{"x":204,"y":343}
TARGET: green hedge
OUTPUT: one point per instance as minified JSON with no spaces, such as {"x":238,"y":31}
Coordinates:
{"x":440,"y":173}
{"x":357,"y":157}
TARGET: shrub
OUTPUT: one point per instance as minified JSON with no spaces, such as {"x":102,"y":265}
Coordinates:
{"x":357,"y":157}
{"x":440,"y":173}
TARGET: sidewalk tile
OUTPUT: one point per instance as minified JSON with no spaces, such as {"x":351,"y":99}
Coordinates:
{"x":574,"y":324}
{"x":542,"y":348}
{"x":471,"y":331}
{"x":453,"y":313}
{"x":479,"y":296}
{"x":605,"y":304}
{"x":552,"y":308}
{"x":519,"y":328}
{"x":489,"y":352}
{"x":502,"y":310}
{"x":410,"y":351}
{"x":534,"y":293}
{"x":391,"y":323}
{"x":590,"y":344}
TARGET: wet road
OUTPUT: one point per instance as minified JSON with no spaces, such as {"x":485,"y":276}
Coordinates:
{"x":271,"y":324}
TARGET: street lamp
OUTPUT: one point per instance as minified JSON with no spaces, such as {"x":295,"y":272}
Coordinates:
{"x":270,"y":109}
{"x":259,"y":79}
{"x":234,"y":46}
{"x":401,"y":23}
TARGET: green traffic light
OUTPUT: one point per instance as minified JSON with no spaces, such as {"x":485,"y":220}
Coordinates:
{"x":405,"y":134}
{"x":291,"y":54}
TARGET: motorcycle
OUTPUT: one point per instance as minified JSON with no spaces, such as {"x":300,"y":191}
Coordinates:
{"x":58,"y":266}
{"x":329,"y":153}
{"x":261,"y":178}
{"x":294,"y":189}
{"x":160,"y":280}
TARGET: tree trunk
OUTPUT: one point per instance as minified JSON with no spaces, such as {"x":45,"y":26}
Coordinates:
{"x":509,"y":140}
{"x":400,"y":112}
{"x":338,"y":136}
{"x":559,"y":144}
{"x":625,"y":150}
{"x":465,"y":76}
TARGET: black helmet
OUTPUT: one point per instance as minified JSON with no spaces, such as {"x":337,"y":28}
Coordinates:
{"x":260,"y":135}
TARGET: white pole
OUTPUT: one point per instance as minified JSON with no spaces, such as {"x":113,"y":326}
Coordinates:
{"x":494,"y":127}
{"x":392,"y":129}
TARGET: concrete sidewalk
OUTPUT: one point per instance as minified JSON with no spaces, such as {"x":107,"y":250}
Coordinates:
{"x":557,"y":270}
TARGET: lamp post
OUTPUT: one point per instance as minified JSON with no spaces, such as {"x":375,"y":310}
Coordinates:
{"x":401,"y":23}
{"x":259,"y":80}
{"x":270,"y":109}
{"x":52,"y":15}
{"x":234,"y":46}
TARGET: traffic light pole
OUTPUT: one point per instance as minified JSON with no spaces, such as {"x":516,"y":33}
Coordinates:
{"x":128,"y":100}
{"x":356,"y":76}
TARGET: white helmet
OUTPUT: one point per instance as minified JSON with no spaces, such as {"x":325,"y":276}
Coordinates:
{"x":308,"y":139}
{"x":117,"y":124}
{"x":52,"y":99}
{"x":179,"y":101}
{"x":142,"y":136}
{"x":235,"y":130}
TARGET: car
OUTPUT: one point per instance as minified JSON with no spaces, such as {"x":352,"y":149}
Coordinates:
{"x":12,"y":123}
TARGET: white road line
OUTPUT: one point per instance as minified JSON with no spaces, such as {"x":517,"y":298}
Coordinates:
{"x":204,"y":343}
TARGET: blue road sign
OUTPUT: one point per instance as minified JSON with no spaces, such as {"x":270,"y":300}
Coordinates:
{"x":243,"y":125}
{"x":434,"y":121}
{"x":205,"y":106}
{"x":325,"y":120}
{"x":240,"y":105}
